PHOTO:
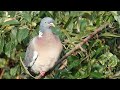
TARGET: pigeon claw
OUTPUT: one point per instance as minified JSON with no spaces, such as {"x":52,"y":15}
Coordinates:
{"x":42,"y":73}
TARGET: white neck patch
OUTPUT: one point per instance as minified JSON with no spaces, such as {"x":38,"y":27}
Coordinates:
{"x":40,"y":34}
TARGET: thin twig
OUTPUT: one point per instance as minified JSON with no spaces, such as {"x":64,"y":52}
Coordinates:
{"x":2,"y":74}
{"x":26,"y":69}
{"x":27,"y":72}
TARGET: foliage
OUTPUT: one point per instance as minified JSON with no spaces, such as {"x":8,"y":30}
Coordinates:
{"x":102,"y":56}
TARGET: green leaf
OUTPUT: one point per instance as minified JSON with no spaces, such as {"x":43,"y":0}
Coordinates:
{"x":13,"y":71}
{"x":99,"y":50}
{"x":1,"y":13}
{"x":68,"y":22}
{"x":107,"y":34}
{"x":11,"y":22}
{"x":27,"y":16}
{"x":8,"y":48}
{"x":73,"y":64}
{"x":57,"y":32}
{"x":13,"y":36}
{"x":76,"y":13}
{"x":49,"y":13}
{"x":83,"y":24}
{"x":7,"y":75}
{"x":113,"y":61}
{"x":1,"y":44}
{"x":12,"y":13}
{"x":22,"y":34}
{"x":77,"y":75}
{"x":116,"y":16}
{"x":114,"y":13}
{"x":34,"y":33}
{"x":96,"y":75}
{"x":3,"y":62}
{"x":97,"y":66}
{"x":72,"y":58}
{"x":1,"y":21}
{"x":104,"y":58}
{"x":14,"y":33}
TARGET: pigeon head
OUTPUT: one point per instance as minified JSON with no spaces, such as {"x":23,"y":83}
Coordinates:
{"x":46,"y":24}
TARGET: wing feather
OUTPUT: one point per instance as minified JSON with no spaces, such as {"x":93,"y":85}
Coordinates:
{"x":30,"y":56}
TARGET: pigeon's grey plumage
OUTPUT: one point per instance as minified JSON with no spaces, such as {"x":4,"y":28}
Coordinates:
{"x":43,"y":50}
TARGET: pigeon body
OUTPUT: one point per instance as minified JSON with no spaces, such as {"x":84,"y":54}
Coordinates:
{"x":43,"y":50}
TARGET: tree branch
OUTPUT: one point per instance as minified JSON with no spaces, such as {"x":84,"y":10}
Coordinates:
{"x":2,"y":73}
{"x":81,"y":43}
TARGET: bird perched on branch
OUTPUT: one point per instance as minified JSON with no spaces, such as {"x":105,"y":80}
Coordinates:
{"x":43,"y":50}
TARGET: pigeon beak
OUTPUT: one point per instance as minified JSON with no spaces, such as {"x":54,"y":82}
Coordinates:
{"x":51,"y":24}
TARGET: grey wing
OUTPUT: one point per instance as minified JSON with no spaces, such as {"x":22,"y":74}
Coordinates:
{"x":29,"y":60}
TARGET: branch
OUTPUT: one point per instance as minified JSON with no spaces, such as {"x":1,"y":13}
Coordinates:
{"x":26,"y":69}
{"x":27,"y":72}
{"x":2,"y":73}
{"x":79,"y":46}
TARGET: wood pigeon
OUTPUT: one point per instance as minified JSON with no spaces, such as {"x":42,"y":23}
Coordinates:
{"x":43,"y":50}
